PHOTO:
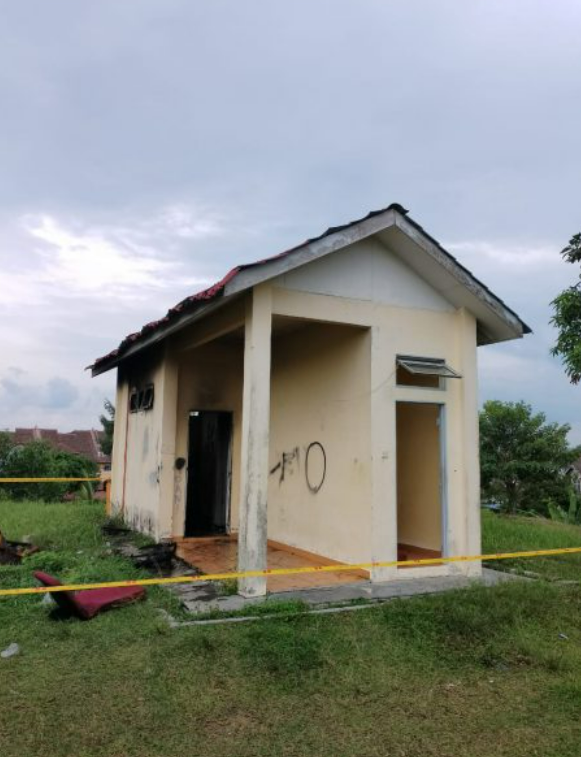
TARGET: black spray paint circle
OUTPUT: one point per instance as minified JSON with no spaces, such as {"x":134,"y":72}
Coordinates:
{"x":316,"y":469}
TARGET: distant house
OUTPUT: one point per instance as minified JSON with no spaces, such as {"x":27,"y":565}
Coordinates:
{"x":322,"y":401}
{"x":86,"y":443}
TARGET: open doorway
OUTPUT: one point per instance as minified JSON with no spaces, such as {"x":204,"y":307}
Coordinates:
{"x":209,"y":463}
{"x":419,"y":480}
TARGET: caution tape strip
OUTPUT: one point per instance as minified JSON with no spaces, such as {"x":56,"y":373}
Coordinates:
{"x":42,"y":480}
{"x":289,"y":571}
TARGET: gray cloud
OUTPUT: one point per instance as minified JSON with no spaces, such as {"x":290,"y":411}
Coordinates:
{"x":148,"y":147}
{"x":57,"y":393}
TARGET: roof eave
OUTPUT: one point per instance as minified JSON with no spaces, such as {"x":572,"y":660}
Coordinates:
{"x":103,"y":366}
{"x":509,"y":324}
{"x":499,"y":322}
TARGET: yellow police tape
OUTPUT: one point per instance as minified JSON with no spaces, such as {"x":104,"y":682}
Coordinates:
{"x":290,"y":571}
{"x":41,"y":480}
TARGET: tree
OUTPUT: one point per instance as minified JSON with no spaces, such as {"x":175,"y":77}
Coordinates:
{"x":108,"y":423}
{"x":523,"y":459}
{"x":40,"y":460}
{"x":5,"y":446}
{"x":567,"y":317}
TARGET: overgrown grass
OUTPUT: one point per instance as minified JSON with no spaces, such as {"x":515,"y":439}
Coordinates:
{"x":472,"y":673}
{"x":501,"y":533}
{"x":72,"y":547}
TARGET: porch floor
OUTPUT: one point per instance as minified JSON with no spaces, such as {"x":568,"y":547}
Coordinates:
{"x":410,"y":552}
{"x":220,"y":555}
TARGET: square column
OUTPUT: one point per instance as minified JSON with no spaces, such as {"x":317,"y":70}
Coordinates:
{"x":119,"y":451}
{"x":383,"y":454}
{"x":252,"y":535}
{"x":467,"y":344}
{"x":168,"y":403}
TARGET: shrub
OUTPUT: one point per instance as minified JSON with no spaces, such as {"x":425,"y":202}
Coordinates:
{"x":39,"y":460}
{"x":571,"y":515}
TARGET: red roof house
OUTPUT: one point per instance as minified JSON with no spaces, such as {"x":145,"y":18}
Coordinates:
{"x":85,"y":442}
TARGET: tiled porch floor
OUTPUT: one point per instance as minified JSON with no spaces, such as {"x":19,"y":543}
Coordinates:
{"x":219,"y":555}
{"x":409,"y":552}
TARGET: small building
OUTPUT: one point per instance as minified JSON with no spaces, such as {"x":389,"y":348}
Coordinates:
{"x":322,"y":401}
{"x":85,"y":442}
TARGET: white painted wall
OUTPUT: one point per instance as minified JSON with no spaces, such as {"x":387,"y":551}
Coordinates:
{"x":119,"y":449}
{"x":366,"y":270}
{"x":136,"y":475}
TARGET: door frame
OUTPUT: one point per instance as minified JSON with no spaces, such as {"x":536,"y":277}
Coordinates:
{"x":228,"y":494}
{"x":442,"y":422}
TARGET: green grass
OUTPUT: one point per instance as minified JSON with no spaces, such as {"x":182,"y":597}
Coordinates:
{"x":502,"y":533}
{"x":72,"y":547}
{"x":473,"y":673}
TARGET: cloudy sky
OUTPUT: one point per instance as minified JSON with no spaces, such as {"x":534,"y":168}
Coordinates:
{"x":146,"y":146}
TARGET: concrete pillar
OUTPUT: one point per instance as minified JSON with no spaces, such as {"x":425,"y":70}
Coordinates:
{"x":252,"y":535}
{"x":383,"y":454}
{"x":118,"y":453}
{"x":167,"y":402}
{"x":470,"y":435}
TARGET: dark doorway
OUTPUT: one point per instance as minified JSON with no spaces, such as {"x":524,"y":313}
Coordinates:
{"x":208,"y":492}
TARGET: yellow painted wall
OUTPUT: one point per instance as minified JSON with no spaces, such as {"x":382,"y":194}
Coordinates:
{"x":320,"y":393}
{"x":419,"y":511}
{"x":210,"y":378}
{"x":322,"y":390}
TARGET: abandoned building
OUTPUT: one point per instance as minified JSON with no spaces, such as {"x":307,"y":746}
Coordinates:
{"x":320,"y":404}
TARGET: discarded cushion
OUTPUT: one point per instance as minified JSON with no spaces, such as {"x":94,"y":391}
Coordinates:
{"x":93,"y":601}
{"x":64,"y":599}
{"x":89,"y":602}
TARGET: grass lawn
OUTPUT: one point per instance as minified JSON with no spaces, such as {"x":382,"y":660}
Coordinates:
{"x":471,"y":673}
{"x":518,"y":534}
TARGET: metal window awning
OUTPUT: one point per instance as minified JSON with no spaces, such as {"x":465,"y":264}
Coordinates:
{"x":426,"y":366}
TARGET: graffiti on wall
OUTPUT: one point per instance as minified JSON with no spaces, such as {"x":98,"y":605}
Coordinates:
{"x":286,"y":464}
{"x":315,"y":466}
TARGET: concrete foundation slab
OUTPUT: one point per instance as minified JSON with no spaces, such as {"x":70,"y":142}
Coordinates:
{"x":202,"y":598}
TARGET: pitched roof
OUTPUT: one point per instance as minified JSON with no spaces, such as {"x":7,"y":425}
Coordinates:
{"x":233,"y":282}
{"x":86,"y":442}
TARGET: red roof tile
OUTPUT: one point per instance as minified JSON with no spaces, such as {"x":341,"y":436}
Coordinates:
{"x":85,"y":443}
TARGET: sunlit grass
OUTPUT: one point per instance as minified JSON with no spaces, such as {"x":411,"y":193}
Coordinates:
{"x":501,"y":533}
